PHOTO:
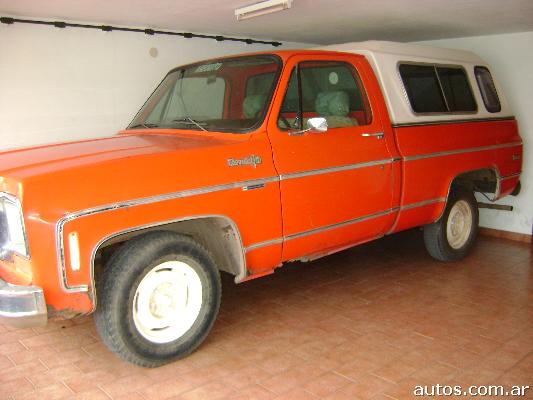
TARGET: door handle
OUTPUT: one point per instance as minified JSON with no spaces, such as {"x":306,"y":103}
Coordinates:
{"x":379,"y":135}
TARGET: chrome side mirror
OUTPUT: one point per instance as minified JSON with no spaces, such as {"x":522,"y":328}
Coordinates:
{"x":318,"y":125}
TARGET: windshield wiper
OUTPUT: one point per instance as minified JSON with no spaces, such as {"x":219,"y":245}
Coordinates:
{"x":189,"y":120}
{"x":147,"y":126}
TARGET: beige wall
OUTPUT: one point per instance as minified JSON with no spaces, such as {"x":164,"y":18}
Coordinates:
{"x":67,"y":84}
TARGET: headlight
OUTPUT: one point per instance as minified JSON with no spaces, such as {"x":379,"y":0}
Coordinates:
{"x":12,"y":234}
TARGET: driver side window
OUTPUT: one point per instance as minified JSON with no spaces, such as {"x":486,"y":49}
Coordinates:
{"x":327,"y":89}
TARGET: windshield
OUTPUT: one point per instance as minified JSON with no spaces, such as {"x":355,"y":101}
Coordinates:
{"x":222,"y":95}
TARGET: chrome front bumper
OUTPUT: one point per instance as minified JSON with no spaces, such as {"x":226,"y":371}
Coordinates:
{"x":22,"y":306}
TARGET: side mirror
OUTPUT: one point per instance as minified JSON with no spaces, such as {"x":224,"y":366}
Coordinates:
{"x":318,"y":124}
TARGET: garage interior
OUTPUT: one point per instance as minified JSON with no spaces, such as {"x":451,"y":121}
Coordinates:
{"x":371,"y":322}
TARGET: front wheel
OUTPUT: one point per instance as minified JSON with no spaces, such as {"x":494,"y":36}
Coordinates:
{"x":454,"y":234}
{"x":157,"y":299}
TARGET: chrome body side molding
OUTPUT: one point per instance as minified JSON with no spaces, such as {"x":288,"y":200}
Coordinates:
{"x":320,"y":229}
{"x":461,"y":151}
{"x":328,"y":170}
{"x":340,"y":224}
{"x":422,"y":203}
{"x":511,"y":176}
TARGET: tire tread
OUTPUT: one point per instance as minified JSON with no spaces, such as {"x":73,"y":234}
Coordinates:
{"x":106,"y":317}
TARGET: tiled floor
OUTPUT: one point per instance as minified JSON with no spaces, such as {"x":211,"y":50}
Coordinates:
{"x":372,"y":322}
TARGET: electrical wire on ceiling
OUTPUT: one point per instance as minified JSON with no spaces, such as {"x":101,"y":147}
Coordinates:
{"x":109,"y":28}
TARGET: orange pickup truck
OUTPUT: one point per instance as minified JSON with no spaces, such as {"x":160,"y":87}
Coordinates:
{"x":241,"y":164}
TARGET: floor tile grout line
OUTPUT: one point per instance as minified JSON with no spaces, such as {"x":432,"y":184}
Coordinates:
{"x":516,"y":363}
{"x":21,"y":341}
{"x":103,"y":390}
{"x":68,"y":387}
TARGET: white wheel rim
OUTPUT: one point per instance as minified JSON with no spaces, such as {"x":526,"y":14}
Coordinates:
{"x":167,"y":302}
{"x":459,"y":224}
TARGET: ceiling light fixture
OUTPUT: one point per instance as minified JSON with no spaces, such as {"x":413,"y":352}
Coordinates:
{"x":262,"y":8}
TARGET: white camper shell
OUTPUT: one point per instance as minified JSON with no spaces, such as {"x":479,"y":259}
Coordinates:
{"x":386,"y":59}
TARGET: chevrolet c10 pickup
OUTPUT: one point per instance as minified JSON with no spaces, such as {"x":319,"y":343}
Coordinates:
{"x":241,"y":164}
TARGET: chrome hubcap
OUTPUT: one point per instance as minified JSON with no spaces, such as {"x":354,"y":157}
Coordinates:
{"x":167,"y":302}
{"x":459,"y":224}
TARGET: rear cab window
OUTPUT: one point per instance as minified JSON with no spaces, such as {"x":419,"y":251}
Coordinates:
{"x":437,"y":89}
{"x":487,"y":89}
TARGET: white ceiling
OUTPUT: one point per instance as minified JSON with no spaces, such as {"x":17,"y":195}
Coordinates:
{"x":309,"y":21}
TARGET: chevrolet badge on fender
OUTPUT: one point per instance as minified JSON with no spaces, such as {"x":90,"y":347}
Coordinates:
{"x":250,"y":160}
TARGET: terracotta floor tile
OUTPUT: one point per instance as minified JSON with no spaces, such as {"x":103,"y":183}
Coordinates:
{"x":396,"y":371}
{"x":53,"y":392}
{"x":367,"y":386}
{"x":297,"y":394}
{"x":356,"y":369}
{"x":11,"y":348}
{"x":126,"y":384}
{"x":482,"y":345}
{"x":6,"y":362}
{"x":23,"y":370}
{"x":247,"y":376}
{"x":54,"y":375}
{"x":16,"y":387}
{"x":434,"y":374}
{"x":83,"y":382}
{"x":291,"y":379}
{"x":279,"y":363}
{"x":211,"y":391}
{"x":97,"y":394}
{"x":339,"y":395}
{"x":167,"y":389}
{"x":254,"y":392}
{"x":477,"y":375}
{"x":326,"y":384}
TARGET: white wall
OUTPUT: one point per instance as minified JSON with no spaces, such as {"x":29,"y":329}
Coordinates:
{"x":511,"y":59}
{"x":67,"y":84}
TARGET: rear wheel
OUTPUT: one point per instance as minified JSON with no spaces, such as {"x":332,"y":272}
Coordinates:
{"x":454,"y":234}
{"x":157,"y":299}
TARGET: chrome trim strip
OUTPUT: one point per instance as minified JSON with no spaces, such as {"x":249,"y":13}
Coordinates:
{"x":422,"y":203}
{"x":340,"y":224}
{"x":453,"y":121}
{"x":266,"y":243}
{"x":5,"y":254}
{"x":510,"y":176}
{"x":60,"y":251}
{"x":325,"y":228}
{"x":416,"y":205}
{"x":461,"y":151}
{"x":302,"y":174}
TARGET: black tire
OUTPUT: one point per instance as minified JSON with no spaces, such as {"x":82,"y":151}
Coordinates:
{"x":436,"y":238}
{"x":117,"y":287}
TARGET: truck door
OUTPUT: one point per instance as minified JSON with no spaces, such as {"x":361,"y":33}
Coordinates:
{"x":336,"y":186}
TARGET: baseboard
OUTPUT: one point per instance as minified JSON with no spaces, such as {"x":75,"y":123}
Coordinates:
{"x":517,"y":237}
